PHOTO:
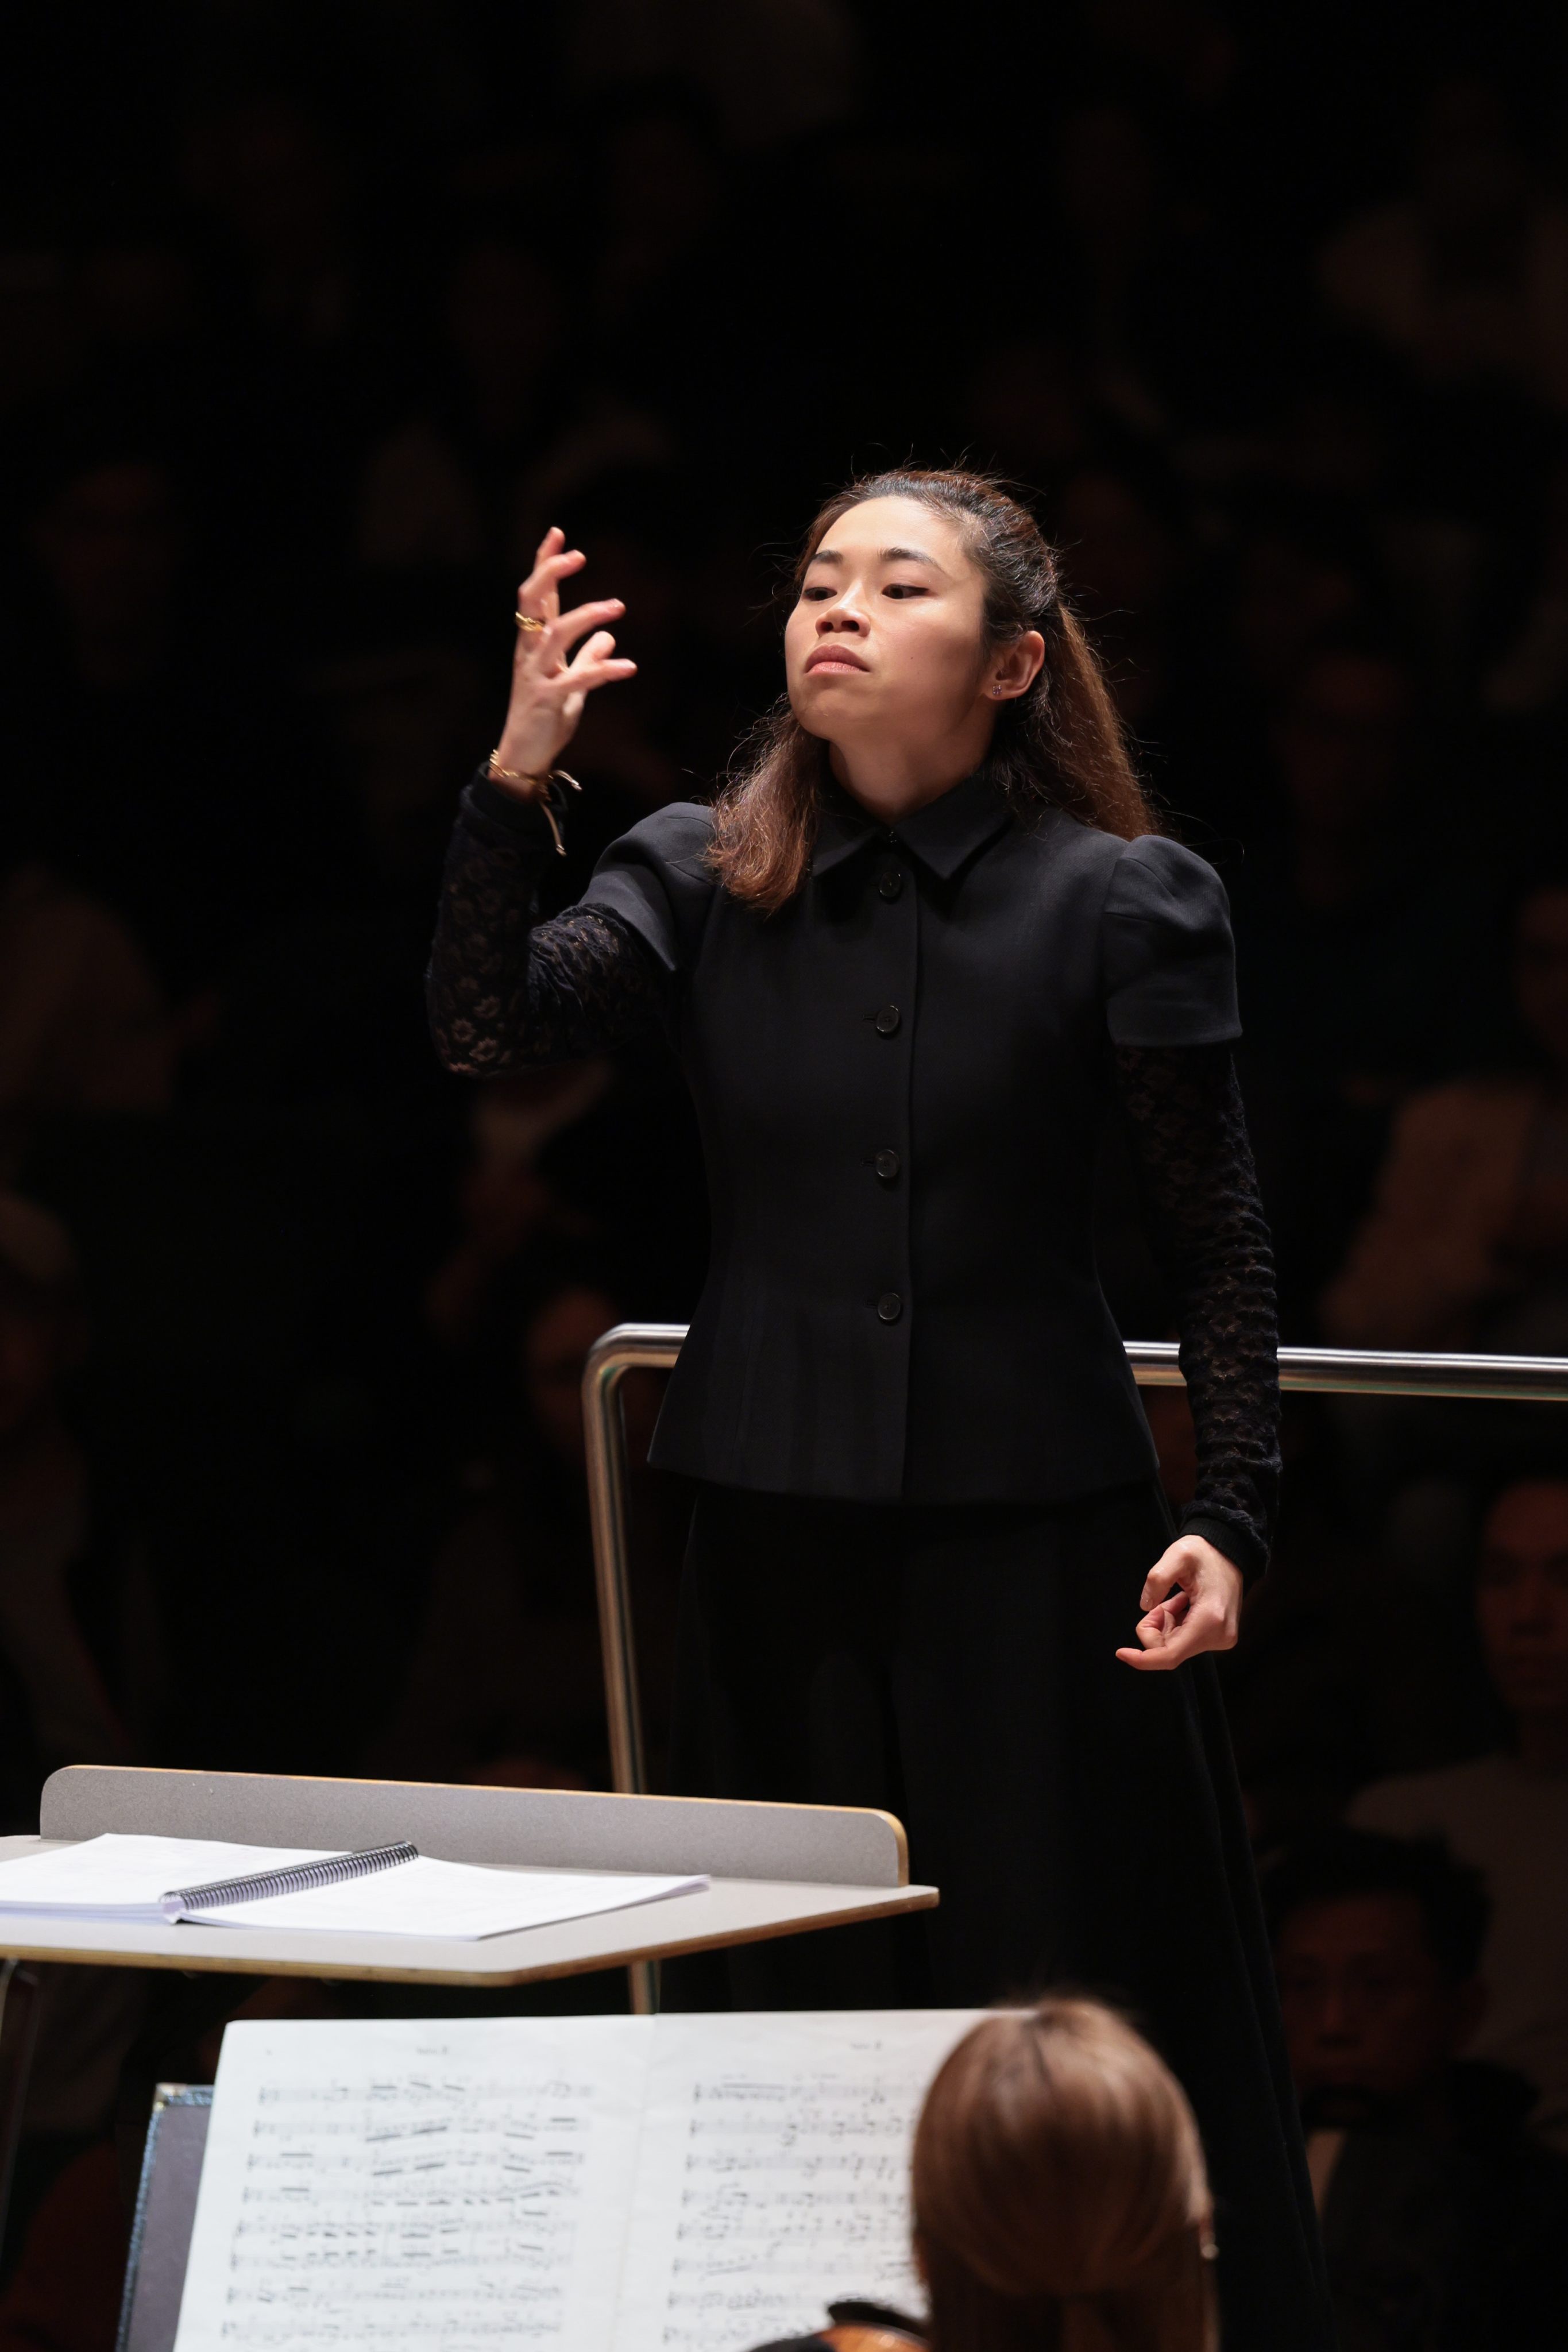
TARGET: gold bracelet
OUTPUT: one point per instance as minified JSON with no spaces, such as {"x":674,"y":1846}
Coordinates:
{"x":521,"y":776}
{"x":511,"y":775}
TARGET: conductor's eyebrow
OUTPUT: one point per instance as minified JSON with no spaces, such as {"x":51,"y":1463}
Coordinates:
{"x":888,"y":555}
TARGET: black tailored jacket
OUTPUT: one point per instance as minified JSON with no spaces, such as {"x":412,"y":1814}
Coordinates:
{"x":902,"y":1079}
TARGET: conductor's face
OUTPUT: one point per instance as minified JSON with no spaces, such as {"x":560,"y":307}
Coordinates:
{"x":887,"y":642}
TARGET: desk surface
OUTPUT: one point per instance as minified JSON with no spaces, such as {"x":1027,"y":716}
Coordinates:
{"x":729,"y":1911}
{"x":803,"y":1857}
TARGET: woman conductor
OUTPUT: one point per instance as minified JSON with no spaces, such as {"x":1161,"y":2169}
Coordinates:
{"x":909,"y":960}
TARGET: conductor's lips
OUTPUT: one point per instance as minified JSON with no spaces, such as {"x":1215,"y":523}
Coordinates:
{"x":835,"y":658}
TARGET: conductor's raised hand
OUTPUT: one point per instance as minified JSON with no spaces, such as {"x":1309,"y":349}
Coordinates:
{"x":550,"y":683}
{"x":1191,"y":1602}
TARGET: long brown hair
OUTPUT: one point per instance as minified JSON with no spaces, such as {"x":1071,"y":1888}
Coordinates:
{"x":1061,"y":743}
{"x":1059,"y":2193}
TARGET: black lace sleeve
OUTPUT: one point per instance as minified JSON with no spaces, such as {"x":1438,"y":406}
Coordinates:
{"x":1208,"y":1231}
{"x":503,"y":988}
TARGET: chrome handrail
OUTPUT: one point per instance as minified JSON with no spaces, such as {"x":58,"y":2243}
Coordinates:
{"x":1376,"y":1371}
{"x":654,"y":1347}
{"x":629,"y":1347}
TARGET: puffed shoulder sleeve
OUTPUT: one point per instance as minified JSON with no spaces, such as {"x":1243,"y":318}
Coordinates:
{"x":656,"y":880}
{"x":1168,"y":958}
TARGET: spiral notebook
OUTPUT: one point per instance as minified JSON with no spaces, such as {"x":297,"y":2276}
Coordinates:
{"x":385,"y":1890}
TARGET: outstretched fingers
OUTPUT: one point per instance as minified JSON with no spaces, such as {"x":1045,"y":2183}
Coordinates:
{"x":539,"y":595}
{"x":594,"y":664}
{"x":550,"y":683}
{"x":565,"y":632}
{"x":598,"y":664}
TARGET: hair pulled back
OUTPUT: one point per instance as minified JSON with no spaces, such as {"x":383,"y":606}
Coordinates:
{"x":1060,"y":744}
{"x":1060,"y":2198}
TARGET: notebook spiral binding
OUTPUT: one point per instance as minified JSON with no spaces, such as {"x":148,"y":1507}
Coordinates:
{"x":258,"y":1885}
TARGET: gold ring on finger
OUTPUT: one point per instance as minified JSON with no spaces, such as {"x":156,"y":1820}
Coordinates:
{"x":527,"y":621}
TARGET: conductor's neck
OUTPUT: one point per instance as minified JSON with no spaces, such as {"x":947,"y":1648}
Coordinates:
{"x":892,"y":779}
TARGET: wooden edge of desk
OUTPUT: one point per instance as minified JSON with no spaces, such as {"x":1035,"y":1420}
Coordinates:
{"x":871,"y":1903}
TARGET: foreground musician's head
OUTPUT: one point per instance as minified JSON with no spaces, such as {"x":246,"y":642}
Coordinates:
{"x":1059,"y":2193}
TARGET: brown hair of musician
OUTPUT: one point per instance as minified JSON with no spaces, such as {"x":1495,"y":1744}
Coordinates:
{"x":1061,"y":2199}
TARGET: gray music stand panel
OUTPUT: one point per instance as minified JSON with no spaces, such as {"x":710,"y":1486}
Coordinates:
{"x":546,"y":1829}
{"x":774,"y":1870}
{"x":165,"y":2216}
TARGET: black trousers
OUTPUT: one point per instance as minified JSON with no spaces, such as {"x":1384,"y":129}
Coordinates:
{"x":955,"y":1664}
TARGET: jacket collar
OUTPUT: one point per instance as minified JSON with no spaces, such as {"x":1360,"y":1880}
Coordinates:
{"x":942,"y":837}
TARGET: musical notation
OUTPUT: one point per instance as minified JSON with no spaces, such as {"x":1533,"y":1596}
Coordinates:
{"x":773,"y":2175}
{"x":585,"y":2184}
{"x":424,"y":2208}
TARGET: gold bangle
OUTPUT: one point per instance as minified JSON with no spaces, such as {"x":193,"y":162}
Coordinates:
{"x":521,"y":776}
{"x":511,"y":775}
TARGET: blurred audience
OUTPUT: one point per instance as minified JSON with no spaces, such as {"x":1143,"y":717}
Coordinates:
{"x":506,"y":1683}
{"x":1360,"y":943}
{"x":771,"y":72}
{"x":504,"y":1200}
{"x":495,"y":433}
{"x":184,"y":814}
{"x":1506,"y":1814}
{"x":1465,"y":1244}
{"x":76,"y":1659}
{"x":1364,"y":946}
{"x":1445,"y":2223}
{"x":59,"y":1711}
{"x":1466,"y":275}
{"x":84,"y":1026}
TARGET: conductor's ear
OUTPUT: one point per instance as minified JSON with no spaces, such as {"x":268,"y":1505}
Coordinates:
{"x":1018,"y":665}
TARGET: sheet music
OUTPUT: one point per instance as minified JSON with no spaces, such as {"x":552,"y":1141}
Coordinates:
{"x":774,"y":2173}
{"x":450,"y":2185}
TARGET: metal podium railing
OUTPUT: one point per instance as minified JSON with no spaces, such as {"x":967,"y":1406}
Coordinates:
{"x":654,"y":1347}
{"x":629,"y":1347}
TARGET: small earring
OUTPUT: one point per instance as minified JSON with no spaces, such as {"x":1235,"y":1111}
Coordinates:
{"x":996,"y":689}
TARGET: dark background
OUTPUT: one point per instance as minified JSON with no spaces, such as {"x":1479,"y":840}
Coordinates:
{"x":311,"y":319}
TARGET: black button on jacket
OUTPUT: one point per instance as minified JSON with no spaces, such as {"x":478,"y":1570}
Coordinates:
{"x":942,"y":1337}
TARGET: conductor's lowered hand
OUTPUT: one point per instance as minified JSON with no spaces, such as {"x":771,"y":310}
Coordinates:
{"x":1192,"y":1602}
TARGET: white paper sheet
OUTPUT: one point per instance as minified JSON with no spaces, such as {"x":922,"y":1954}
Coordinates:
{"x":455,"y":2186}
{"x":774,"y":2173}
{"x":451,"y":1899}
{"x":116,"y":1876}
{"x":121,"y":1877}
